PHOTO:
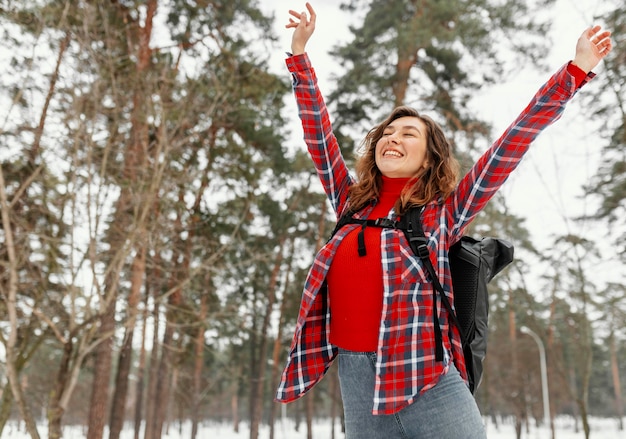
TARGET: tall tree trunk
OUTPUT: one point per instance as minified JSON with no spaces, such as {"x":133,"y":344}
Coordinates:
{"x":253,"y":344}
{"x":574,"y":391}
{"x":141,"y":366}
{"x":262,"y":360}
{"x":234,"y":409}
{"x":549,"y":350}
{"x":309,"y":411}
{"x":617,"y":386}
{"x":517,"y":385}
{"x":163,"y":380}
{"x":275,"y":375}
{"x":55,"y":410}
{"x":164,"y":371}
{"x":118,"y":406}
{"x":101,"y":374}
{"x":582,"y":399}
{"x":198,"y":364}
{"x":153,"y":370}
{"x":234,"y":400}
{"x":156,"y":281}
{"x":586,"y":348}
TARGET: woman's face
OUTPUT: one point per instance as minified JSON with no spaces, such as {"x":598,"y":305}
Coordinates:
{"x":401,"y":151}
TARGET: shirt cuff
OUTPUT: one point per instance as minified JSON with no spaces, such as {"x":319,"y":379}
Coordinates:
{"x":578,"y":73}
{"x":298,"y":62}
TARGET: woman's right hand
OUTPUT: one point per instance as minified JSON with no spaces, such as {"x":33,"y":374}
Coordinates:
{"x":304,"y":28}
{"x":592,"y":46}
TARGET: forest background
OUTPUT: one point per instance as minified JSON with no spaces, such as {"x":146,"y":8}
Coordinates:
{"x":159,"y":213}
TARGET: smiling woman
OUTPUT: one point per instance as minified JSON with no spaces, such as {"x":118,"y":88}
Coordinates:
{"x":401,"y":366}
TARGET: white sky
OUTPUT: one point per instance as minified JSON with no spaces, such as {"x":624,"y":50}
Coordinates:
{"x":547,"y":186}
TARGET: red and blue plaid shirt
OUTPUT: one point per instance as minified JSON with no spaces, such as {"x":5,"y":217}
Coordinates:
{"x":406,"y":363}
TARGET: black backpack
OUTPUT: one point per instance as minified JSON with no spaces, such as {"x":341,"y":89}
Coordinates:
{"x":473,"y":263}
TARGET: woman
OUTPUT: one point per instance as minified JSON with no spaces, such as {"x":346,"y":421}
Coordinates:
{"x":367,"y":298}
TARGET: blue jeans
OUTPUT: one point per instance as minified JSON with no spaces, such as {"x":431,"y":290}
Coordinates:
{"x":447,"y":411}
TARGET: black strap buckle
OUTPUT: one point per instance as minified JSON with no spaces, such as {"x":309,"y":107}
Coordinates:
{"x":423,"y":251}
{"x":386,"y":223}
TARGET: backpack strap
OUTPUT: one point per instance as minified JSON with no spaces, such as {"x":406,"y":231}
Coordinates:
{"x":417,"y":240}
{"x":348,"y":218}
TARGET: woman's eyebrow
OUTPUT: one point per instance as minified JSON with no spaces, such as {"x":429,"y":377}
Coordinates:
{"x":403,"y":127}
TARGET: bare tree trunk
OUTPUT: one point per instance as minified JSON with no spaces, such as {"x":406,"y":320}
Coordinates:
{"x":298,"y":417}
{"x":586,"y":348}
{"x":152,"y":374}
{"x":276,"y":371}
{"x":172,"y":387}
{"x":617,"y":387}
{"x":253,"y":343}
{"x":55,"y":411}
{"x":262,"y":360}
{"x":141,"y":367}
{"x":574,"y":391}
{"x":102,"y":370}
{"x":198,"y":363}
{"x":550,"y":348}
{"x":309,"y":410}
{"x":234,"y":409}
{"x":517,"y":385}
{"x":164,"y":371}
{"x":118,"y":406}
{"x":275,"y":375}
{"x":582,"y":406}
{"x":583,"y":396}
{"x":163,"y":380}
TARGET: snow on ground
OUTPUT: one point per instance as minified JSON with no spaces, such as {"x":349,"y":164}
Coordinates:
{"x":565,"y":429}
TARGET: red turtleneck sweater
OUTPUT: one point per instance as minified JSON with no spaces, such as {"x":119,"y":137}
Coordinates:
{"x":355,"y":284}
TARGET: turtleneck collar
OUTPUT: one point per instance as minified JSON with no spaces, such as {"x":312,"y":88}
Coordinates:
{"x":393,"y":185}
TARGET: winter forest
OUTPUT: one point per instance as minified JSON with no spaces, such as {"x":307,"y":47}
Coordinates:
{"x":159,"y":211}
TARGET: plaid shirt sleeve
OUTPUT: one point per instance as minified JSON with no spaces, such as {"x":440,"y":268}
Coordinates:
{"x":493,"y":168}
{"x":318,"y":132}
{"x":311,"y":353}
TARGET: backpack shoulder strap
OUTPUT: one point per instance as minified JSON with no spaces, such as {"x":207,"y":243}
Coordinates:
{"x":417,"y":240}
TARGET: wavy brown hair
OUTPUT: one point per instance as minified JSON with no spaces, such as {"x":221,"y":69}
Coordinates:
{"x":437,"y":180}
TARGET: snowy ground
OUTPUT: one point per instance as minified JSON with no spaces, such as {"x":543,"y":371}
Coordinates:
{"x":565,"y":429}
